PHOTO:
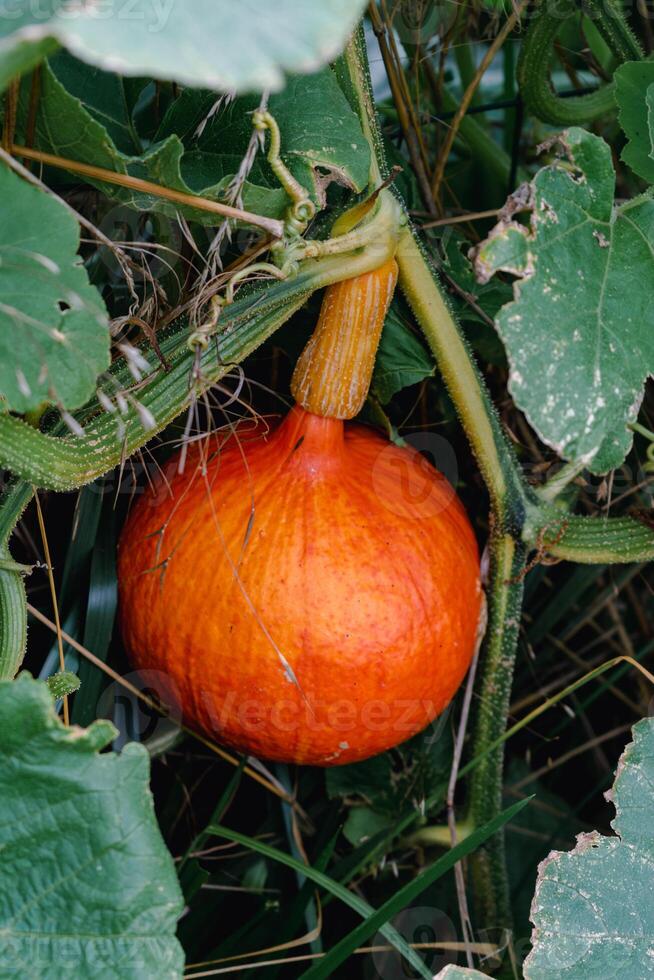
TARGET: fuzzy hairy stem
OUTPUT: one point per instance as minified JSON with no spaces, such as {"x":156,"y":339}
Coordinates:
{"x":497,"y":462}
{"x":13,"y":601}
{"x":505,"y":592}
{"x":511,"y":500}
{"x":536,"y":55}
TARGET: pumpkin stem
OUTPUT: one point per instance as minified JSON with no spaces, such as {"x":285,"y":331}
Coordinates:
{"x":334,"y":371}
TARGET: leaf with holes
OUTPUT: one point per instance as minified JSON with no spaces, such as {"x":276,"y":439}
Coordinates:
{"x":634,"y":93}
{"x":91,"y":116}
{"x":321,"y":137}
{"x":87,"y":887}
{"x":592,"y":912}
{"x":54,"y":334}
{"x":580,"y":331}
{"x":220,"y":44}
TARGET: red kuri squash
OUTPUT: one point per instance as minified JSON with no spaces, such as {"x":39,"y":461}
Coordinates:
{"x":312,"y":591}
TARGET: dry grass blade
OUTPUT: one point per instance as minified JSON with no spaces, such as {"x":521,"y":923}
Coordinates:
{"x":480,"y":949}
{"x":439,"y":171}
{"x":551,"y":702}
{"x":272,"y":226}
{"x":460,"y":219}
{"x":11,"y":109}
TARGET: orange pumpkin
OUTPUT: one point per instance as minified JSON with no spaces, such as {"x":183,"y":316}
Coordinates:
{"x":312,"y":591}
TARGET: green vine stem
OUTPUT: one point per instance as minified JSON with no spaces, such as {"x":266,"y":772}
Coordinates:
{"x":609,"y":19}
{"x":536,"y":55}
{"x":505,"y":594}
{"x":511,"y":502}
{"x":67,"y":463}
{"x":13,"y":601}
{"x":509,"y":494}
{"x":592,"y":540}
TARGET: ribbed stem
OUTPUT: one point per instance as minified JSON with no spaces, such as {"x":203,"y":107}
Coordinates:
{"x":505,"y":592}
{"x":536,"y":56}
{"x":70,"y":462}
{"x":334,"y":371}
{"x":13,"y":604}
{"x":511,"y":501}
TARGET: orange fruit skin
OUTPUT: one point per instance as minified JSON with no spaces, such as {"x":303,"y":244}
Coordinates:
{"x":313,"y":596}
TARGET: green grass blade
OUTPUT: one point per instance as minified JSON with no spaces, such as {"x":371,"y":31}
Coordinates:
{"x":340,"y":952}
{"x":324,"y":881}
{"x":375,"y":920}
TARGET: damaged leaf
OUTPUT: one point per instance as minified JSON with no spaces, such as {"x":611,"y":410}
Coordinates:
{"x":592,"y":912}
{"x":579,"y":332}
{"x":54,"y":331}
{"x":92,"y":116}
{"x":634,"y":93}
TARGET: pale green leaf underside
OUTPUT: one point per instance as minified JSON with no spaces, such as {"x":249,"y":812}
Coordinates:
{"x":54,"y":335}
{"x":460,"y":973}
{"x":87,"y":887}
{"x":633,"y":91}
{"x":593,"y":913}
{"x":217,"y":44}
{"x":579,"y":333}
{"x":85,"y":115}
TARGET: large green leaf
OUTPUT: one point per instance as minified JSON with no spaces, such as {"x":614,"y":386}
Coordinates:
{"x":88,"y":115}
{"x":87,"y":887}
{"x":593,"y":913}
{"x":580,"y":330}
{"x":320,"y":132}
{"x":54,"y":336}
{"x":402,"y":359}
{"x":634,"y":93}
{"x":241,"y":45}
